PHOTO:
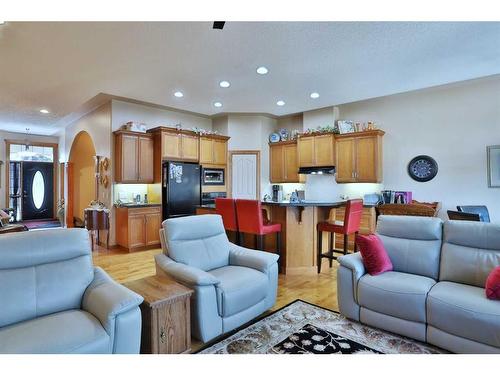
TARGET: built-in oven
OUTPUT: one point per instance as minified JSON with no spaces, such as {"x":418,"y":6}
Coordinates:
{"x":213,"y":176}
{"x":208,"y":199}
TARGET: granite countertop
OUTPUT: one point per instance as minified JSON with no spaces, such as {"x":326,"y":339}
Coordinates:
{"x":137,"y":205}
{"x":307,"y":203}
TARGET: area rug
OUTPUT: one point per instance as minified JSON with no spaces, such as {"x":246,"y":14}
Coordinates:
{"x":41,"y":224}
{"x":303,"y":328}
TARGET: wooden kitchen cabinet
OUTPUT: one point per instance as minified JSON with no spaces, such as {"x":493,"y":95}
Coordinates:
{"x":283,"y":162}
{"x":316,"y":150}
{"x":359,"y":157}
{"x":189,"y":147}
{"x":170,"y":145}
{"x":133,"y":157}
{"x":138,"y":227}
{"x":213,"y":150}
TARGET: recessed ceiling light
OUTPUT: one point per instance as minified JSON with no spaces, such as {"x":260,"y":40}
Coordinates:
{"x":224,"y":84}
{"x":44,"y":111}
{"x":218,"y":104}
{"x":281,"y":103}
{"x":314,"y":95}
{"x":262,"y":70}
{"x":178,"y":94}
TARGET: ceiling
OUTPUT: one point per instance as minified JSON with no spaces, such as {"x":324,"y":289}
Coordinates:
{"x":59,"y":66}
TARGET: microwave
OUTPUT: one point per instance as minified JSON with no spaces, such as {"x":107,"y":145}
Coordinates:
{"x":213,"y":176}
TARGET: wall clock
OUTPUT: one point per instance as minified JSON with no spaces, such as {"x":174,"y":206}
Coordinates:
{"x":422,"y":168}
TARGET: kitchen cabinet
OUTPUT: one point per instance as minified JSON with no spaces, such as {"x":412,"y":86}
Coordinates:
{"x":283,"y":162}
{"x":179,"y":146}
{"x":213,"y":150}
{"x":133,"y":157}
{"x":316,"y":150}
{"x":189,"y":147}
{"x":359,"y":157}
{"x":138,"y":227}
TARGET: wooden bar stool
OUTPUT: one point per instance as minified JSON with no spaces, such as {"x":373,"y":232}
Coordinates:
{"x":351,"y":224}
{"x":227,"y":209}
{"x":251,"y":220}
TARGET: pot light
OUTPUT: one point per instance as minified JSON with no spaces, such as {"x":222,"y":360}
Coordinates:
{"x":44,"y":111}
{"x":314,"y":95}
{"x":178,"y":94}
{"x":262,"y":70}
{"x":224,"y":84}
{"x":218,"y":104}
{"x":281,"y":103}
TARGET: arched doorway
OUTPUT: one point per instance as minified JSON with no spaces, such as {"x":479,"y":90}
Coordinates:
{"x":81,"y":178}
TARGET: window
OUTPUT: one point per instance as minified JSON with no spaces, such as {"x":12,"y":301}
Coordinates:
{"x":38,"y":189}
{"x":20,"y":152}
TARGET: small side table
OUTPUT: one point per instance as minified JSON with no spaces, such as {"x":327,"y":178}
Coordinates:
{"x":97,"y":220}
{"x":166,"y":322}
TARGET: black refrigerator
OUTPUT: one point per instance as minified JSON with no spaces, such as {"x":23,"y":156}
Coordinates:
{"x":181,"y":188}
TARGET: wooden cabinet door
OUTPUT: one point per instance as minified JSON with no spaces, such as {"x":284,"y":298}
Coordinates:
{"x":277,"y":164}
{"x":129,"y":158}
{"x":146,"y":151}
{"x":189,"y":147}
{"x":367,"y":159}
{"x":345,"y":157}
{"x":170,"y":146}
{"x":153,"y":223}
{"x":206,"y":151}
{"x":305,"y":151}
{"x":136,"y":231}
{"x":219,"y":152}
{"x":324,"y":150}
{"x":291,"y":167}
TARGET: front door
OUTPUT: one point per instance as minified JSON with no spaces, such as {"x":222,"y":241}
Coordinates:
{"x":38,"y":190}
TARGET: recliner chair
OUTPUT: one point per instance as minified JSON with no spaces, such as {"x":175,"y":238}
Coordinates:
{"x":232,"y":284}
{"x":54,"y":301}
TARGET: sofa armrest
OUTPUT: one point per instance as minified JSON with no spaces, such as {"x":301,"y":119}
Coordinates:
{"x":106,"y":299}
{"x":259,"y":260}
{"x":183,"y":273}
{"x":355,"y":263}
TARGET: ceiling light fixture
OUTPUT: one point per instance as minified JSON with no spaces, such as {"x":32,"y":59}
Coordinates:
{"x":314,"y":95}
{"x":281,"y":103}
{"x":224,"y":84}
{"x":44,"y":111}
{"x":218,"y":104}
{"x":178,"y":94}
{"x":262,"y":70}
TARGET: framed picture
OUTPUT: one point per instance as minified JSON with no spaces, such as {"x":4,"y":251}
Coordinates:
{"x":346,"y":127}
{"x":493,"y":154}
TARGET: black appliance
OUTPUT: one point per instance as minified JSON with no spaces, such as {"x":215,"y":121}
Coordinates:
{"x":213,"y":176}
{"x":317,"y":170}
{"x":208,"y":199}
{"x":181,"y":188}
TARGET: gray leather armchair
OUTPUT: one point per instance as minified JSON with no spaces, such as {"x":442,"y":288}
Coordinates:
{"x":54,"y":301}
{"x":232,"y":284}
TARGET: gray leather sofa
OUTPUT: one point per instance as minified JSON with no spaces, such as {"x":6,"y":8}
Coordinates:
{"x":232,"y":284}
{"x":436,"y":291}
{"x":54,"y":301}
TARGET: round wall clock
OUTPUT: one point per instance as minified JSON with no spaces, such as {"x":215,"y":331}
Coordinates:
{"x":422,"y":168}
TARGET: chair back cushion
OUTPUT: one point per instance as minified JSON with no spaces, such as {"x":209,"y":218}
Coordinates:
{"x":470,"y":251}
{"x":197,"y":241}
{"x":249,"y":213}
{"x":227,"y":209}
{"x":43,"y":272}
{"x":412,"y":242}
{"x":353,"y":214}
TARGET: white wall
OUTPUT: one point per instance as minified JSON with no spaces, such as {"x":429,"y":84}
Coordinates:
{"x":453,"y":124}
{"x":320,"y":117}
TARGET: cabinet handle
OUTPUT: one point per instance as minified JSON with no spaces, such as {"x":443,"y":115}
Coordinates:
{"x":162,"y":336}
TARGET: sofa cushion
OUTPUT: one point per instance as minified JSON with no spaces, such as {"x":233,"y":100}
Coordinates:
{"x":413,"y":243}
{"x":470,"y":251}
{"x":197,"y":241}
{"x":398,"y":294}
{"x":374,"y":255}
{"x":464,"y":310}
{"x":72,"y":331}
{"x":239,"y":288}
{"x":492,"y":287}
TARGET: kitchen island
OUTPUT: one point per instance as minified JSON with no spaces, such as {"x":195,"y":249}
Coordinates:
{"x":299,"y":235}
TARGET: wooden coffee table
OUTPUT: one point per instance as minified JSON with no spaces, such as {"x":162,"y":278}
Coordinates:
{"x":166,"y":323}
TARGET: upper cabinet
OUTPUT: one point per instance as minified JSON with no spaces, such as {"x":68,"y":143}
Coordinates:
{"x":133,"y":157}
{"x":359,"y":157}
{"x":178,"y":145}
{"x":213,"y":150}
{"x":284,"y":163}
{"x":316,"y":150}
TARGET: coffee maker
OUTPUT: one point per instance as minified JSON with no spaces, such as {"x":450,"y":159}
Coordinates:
{"x":277,"y":193}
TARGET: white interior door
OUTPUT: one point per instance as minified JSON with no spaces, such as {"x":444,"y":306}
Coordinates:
{"x":244,"y":176}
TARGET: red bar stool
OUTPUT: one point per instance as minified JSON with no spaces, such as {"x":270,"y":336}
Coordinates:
{"x":351,"y":223}
{"x":227,"y":209}
{"x":251,"y":220}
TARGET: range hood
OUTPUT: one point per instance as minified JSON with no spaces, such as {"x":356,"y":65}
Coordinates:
{"x":317,"y":170}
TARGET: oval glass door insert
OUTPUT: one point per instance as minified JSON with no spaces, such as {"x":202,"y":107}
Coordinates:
{"x":38,"y":190}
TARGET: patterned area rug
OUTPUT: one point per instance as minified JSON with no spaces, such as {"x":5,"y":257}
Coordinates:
{"x":301,"y":328}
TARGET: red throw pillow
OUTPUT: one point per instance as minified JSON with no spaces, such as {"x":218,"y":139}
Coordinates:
{"x":375,"y":257}
{"x":492,"y":287}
